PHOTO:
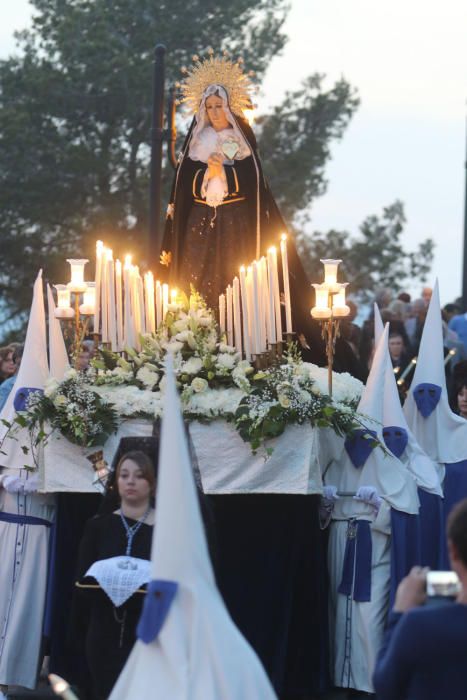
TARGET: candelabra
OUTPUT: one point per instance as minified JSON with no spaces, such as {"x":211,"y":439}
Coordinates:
{"x":329,"y":308}
{"x":78,"y":317}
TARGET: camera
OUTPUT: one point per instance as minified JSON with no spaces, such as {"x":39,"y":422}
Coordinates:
{"x":441,"y":587}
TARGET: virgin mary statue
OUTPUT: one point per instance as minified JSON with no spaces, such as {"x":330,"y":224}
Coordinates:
{"x":222,"y":213}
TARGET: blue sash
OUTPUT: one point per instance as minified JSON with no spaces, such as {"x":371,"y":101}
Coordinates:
{"x":24,"y":519}
{"x":356,"y":571}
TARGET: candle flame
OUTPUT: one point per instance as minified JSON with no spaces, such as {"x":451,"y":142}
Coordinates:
{"x":283,"y":236}
{"x":272,"y":249}
{"x":242,"y":268}
{"x":127,"y":262}
{"x":99,"y":247}
{"x":109,"y":254}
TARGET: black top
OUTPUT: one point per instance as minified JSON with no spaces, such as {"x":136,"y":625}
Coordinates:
{"x":106,"y":633}
{"x":424,"y":654}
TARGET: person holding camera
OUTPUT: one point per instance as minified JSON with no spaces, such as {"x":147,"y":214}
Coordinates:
{"x":424,"y":653}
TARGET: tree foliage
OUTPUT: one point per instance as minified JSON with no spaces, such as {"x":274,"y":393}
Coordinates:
{"x":75,"y":126}
{"x":372,"y":259}
{"x":296,"y":139}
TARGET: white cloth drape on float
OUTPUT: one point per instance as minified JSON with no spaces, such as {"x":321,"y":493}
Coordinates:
{"x":198,"y":654}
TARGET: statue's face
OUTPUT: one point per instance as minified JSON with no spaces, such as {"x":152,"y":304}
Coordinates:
{"x":216,"y":113}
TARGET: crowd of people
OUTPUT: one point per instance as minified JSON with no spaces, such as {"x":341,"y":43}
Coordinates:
{"x":406,"y":318}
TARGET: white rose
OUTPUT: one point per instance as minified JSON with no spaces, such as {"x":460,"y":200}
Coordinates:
{"x":192,"y":366}
{"x":70,"y":374}
{"x":174,"y":346}
{"x":51,"y":387}
{"x":284,"y":400}
{"x":199,"y":385}
{"x":147,"y":376}
{"x":225,"y":361}
{"x":60,"y":400}
{"x":223,"y":347}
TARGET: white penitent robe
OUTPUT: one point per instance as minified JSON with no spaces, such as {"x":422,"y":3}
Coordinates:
{"x":23,"y":581}
{"x":356,"y":628}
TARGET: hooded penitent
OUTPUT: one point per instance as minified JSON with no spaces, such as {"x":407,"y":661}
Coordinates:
{"x":360,"y":544}
{"x":32,"y":375}
{"x":441,"y":433}
{"x":188,"y":646}
{"x":427,"y":473}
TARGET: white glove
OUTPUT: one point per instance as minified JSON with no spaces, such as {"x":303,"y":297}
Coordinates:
{"x":32,"y":484}
{"x":369,"y":495}
{"x":15,"y":484}
{"x":330,"y":492}
{"x":12,"y":484}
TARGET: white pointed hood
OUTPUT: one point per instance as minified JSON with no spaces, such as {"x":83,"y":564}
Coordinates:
{"x":58,"y":356}
{"x":371,"y":401}
{"x":381,"y":469}
{"x":427,"y":473}
{"x":33,"y":373}
{"x":442,"y":434}
{"x":198,"y":654}
{"x":379,"y":326}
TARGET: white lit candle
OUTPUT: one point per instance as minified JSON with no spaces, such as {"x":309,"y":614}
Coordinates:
{"x":272,"y":297}
{"x":237,"y":315}
{"x":229,"y":302}
{"x":127,"y":322}
{"x":321,"y":308}
{"x":104,"y":298}
{"x":158,"y":304}
{"x":264,"y":301}
{"x":260,"y":340}
{"x":140,"y":288}
{"x":77,"y":283}
{"x":63,"y":308}
{"x":277,"y":296}
{"x":246,"y":322}
{"x":149,"y":302}
{"x":98,"y":274}
{"x":165,"y":300}
{"x":285,"y":276}
{"x":119,"y":304}
{"x":222,"y":313}
{"x":112,"y":317}
{"x":252,"y":311}
{"x":88,"y":307}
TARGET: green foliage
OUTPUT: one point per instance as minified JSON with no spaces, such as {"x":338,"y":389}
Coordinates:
{"x":373,"y":259}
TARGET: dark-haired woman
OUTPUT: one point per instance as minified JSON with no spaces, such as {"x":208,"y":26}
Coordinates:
{"x":112,"y":543}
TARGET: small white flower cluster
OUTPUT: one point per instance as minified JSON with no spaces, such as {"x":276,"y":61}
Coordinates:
{"x":131,"y":401}
{"x":345,"y":388}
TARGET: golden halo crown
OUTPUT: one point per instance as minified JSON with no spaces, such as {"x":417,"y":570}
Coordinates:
{"x":217,"y":70}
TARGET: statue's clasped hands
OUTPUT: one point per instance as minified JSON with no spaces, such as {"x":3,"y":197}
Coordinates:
{"x":215,"y":165}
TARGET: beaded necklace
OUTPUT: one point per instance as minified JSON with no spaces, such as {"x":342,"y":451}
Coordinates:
{"x":131,"y":531}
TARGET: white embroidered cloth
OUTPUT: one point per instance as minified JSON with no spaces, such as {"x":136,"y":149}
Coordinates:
{"x":120,"y":577}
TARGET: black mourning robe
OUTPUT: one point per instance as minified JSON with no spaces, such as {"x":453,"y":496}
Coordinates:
{"x":208,"y":245}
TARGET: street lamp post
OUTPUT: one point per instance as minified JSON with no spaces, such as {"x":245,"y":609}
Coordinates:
{"x":158,"y":136}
